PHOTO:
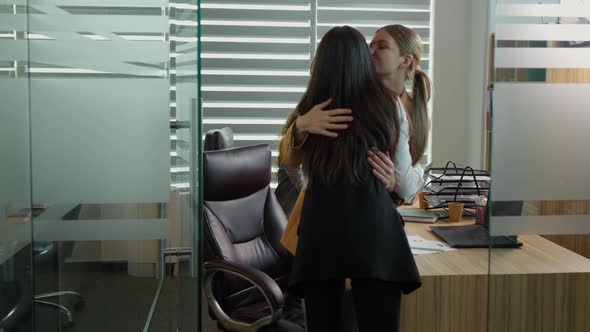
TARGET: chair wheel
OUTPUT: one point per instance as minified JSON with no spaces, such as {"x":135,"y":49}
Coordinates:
{"x":67,"y":325}
{"x":80,"y":305}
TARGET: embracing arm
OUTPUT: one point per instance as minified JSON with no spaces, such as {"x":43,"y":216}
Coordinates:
{"x":290,"y":148}
{"x":317,"y":121}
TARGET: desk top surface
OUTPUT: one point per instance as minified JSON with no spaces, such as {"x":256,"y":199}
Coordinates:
{"x":537,"y":255}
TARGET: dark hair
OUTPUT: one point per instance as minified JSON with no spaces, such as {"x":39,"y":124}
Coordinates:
{"x":343,"y":70}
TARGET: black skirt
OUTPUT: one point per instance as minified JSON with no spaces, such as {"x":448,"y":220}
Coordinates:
{"x":352,"y":232}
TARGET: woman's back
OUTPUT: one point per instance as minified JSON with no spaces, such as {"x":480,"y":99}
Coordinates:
{"x":353,"y":232}
{"x":343,"y":71}
{"x":349,"y":226}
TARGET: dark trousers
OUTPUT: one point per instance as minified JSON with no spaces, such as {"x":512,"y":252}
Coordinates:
{"x":376,"y":305}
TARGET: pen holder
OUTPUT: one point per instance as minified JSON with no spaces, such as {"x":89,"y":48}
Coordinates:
{"x":480,"y":209}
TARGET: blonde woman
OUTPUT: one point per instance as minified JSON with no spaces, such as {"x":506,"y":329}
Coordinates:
{"x":397,"y":52}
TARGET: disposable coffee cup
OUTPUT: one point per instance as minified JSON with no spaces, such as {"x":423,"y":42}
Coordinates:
{"x":455,"y":211}
{"x":421,"y":199}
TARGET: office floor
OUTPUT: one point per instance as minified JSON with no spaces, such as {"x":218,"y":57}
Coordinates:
{"x":116,"y":301}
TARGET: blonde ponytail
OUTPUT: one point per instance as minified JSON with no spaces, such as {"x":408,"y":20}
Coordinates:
{"x":419,"y":123}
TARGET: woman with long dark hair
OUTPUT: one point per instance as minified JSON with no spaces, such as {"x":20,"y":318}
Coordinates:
{"x":349,"y":227}
{"x":397,"y":52}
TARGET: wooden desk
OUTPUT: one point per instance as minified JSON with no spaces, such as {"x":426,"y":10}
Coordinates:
{"x":539,"y":287}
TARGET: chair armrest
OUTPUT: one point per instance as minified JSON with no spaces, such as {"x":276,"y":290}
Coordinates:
{"x":265,"y":284}
{"x":20,"y":309}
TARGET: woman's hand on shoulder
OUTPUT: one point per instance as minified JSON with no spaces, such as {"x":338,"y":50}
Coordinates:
{"x":320,"y":122}
{"x":383,"y":168}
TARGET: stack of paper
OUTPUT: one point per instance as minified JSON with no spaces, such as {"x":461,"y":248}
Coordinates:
{"x":421,"y":246}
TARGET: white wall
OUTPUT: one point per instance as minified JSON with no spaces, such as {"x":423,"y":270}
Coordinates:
{"x":459,"y":72}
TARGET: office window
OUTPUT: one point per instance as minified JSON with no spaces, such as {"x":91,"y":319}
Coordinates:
{"x":256,"y":56}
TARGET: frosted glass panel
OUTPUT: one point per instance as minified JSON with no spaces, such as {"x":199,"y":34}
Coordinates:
{"x":523,"y":225}
{"x":12,"y":22}
{"x":15,"y":198}
{"x":540,"y":149}
{"x":14,"y":146}
{"x":16,"y":281}
{"x":529,"y":1}
{"x":572,"y":9}
{"x":63,"y":21}
{"x":565,"y":32}
{"x":13,"y":50}
{"x":543,"y":57}
{"x":118,"y":57}
{"x":87,"y":134}
{"x":100,"y":140}
{"x":15,"y":182}
{"x":540,"y":188}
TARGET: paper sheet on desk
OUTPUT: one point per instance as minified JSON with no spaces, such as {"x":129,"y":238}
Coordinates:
{"x":421,"y":246}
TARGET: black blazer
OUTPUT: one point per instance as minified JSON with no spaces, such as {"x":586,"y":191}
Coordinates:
{"x":353,"y":232}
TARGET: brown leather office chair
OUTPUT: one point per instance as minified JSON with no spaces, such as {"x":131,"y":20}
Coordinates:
{"x":246,"y":270}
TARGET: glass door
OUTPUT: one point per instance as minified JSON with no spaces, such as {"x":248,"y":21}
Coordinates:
{"x":103,"y":104}
{"x":540,"y":190}
{"x":15,"y":178}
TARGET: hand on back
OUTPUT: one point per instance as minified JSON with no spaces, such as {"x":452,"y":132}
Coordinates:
{"x":383,"y":168}
{"x":320,"y":122}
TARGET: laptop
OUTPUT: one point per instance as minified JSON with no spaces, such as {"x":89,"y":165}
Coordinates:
{"x":475,"y":236}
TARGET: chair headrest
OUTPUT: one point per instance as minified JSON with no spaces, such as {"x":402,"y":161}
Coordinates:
{"x":235,"y":173}
{"x":219,"y":139}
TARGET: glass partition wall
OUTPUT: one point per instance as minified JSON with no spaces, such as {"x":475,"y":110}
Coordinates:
{"x":100,"y":104}
{"x":540,"y":187}
{"x":16,"y":286}
{"x":100,"y":129}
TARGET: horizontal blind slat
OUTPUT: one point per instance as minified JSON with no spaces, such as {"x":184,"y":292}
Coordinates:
{"x":256,"y":104}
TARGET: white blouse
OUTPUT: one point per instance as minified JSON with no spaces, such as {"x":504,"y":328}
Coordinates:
{"x":409,"y":179}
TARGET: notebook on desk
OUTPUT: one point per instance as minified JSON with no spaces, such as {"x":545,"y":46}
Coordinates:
{"x":410,"y":215}
{"x":474,"y":236}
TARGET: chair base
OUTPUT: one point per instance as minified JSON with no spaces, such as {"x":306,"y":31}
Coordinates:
{"x":79,"y":305}
{"x":41,"y":299}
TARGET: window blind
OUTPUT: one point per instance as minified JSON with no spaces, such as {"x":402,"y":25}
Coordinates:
{"x":256,"y":55}
{"x":255,"y":67}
